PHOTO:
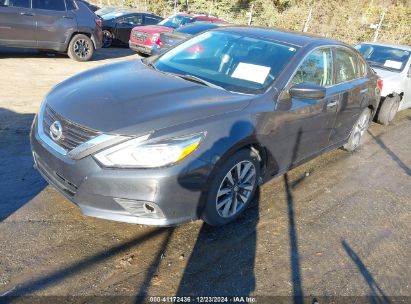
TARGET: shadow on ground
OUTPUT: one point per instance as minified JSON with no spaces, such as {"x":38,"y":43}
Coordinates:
{"x":390,"y":153}
{"x":100,"y":54}
{"x":377,"y":295}
{"x":19,"y":181}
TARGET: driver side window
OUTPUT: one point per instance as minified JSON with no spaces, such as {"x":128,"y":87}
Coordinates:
{"x":316,"y":68}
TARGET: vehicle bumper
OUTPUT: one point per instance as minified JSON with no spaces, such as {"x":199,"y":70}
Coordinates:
{"x":145,"y":49}
{"x":160,"y":197}
{"x":97,"y":38}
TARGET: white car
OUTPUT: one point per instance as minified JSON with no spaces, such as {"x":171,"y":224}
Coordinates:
{"x":393,"y":64}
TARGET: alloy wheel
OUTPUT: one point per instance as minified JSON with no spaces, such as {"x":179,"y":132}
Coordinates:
{"x":360,"y":128}
{"x":81,"y":48}
{"x":236,"y":188}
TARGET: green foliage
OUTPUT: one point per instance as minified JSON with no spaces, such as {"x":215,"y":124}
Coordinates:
{"x":348,"y":20}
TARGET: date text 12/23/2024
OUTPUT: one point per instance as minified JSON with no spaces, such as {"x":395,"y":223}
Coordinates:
{"x":202,"y":299}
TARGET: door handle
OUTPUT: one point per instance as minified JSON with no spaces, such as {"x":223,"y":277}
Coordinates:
{"x":26,"y":14}
{"x":332,"y":103}
{"x":67,"y":17}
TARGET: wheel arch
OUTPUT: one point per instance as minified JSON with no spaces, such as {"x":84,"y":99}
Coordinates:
{"x":80,"y":33}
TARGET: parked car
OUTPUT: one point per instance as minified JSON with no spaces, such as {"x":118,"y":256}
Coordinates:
{"x":106,"y":10}
{"x":393,"y":64}
{"x":143,"y":38}
{"x":168,"y":39}
{"x":117,"y":25}
{"x":192,"y":133}
{"x":65,"y":26}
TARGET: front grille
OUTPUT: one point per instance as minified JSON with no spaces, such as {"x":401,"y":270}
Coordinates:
{"x":73,"y":134}
{"x":140,"y":36}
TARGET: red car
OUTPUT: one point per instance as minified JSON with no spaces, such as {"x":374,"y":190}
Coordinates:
{"x":142,"y":38}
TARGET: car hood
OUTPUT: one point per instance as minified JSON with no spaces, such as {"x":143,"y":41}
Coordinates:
{"x":153,"y":29}
{"x":129,"y":98}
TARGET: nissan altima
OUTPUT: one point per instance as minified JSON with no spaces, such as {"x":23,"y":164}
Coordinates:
{"x":192,"y":133}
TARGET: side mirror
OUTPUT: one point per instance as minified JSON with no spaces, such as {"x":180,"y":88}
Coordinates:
{"x":306,"y":90}
{"x":409,"y":73}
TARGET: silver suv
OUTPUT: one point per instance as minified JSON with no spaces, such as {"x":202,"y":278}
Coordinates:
{"x":66,"y":26}
{"x":393,"y":64}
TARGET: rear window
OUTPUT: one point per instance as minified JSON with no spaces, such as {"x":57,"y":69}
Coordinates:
{"x":52,"y":5}
{"x":15,"y":3}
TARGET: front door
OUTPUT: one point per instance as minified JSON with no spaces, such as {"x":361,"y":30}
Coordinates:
{"x":17,"y":23}
{"x":54,"y":23}
{"x":314,"y":119}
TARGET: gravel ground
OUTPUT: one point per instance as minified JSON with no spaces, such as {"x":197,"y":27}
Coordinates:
{"x":337,"y":226}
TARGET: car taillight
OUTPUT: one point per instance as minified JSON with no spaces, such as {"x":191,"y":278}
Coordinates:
{"x":155,"y":39}
{"x":380,"y":84}
{"x":99,"y":23}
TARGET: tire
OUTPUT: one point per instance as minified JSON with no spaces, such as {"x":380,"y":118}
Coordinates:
{"x":388,"y":110}
{"x":359,"y":128}
{"x":107,"y":39}
{"x":81,"y":48}
{"x":221,"y":190}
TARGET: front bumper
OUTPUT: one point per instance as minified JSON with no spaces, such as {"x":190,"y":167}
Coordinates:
{"x":161,"y":197}
{"x":140,"y":48}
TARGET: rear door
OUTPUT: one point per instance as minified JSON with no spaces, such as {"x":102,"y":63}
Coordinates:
{"x":352,"y":87}
{"x":54,"y":24}
{"x":17,"y":23}
{"x":125,"y":24}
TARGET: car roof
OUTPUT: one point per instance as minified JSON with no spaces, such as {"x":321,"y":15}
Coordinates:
{"x":397,"y":46}
{"x":126,"y":11}
{"x":201,"y":24}
{"x":194,"y":15}
{"x":289,"y":37}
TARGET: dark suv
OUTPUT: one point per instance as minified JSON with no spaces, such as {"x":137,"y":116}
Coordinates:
{"x":66,"y":26}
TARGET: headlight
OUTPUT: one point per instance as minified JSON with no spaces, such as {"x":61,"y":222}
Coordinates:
{"x":139,"y":153}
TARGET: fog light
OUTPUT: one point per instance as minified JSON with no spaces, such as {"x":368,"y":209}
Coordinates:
{"x":140,"y":208}
{"x":149,"y":208}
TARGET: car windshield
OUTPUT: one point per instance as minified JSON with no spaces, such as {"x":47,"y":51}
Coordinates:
{"x":384,"y":57}
{"x":231,"y":61}
{"x":175,"y":21}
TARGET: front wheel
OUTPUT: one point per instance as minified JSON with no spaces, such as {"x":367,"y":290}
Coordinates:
{"x":361,"y":125}
{"x":232,"y":188}
{"x":81,"y":48}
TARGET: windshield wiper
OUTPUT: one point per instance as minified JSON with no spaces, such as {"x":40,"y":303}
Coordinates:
{"x":199,"y":80}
